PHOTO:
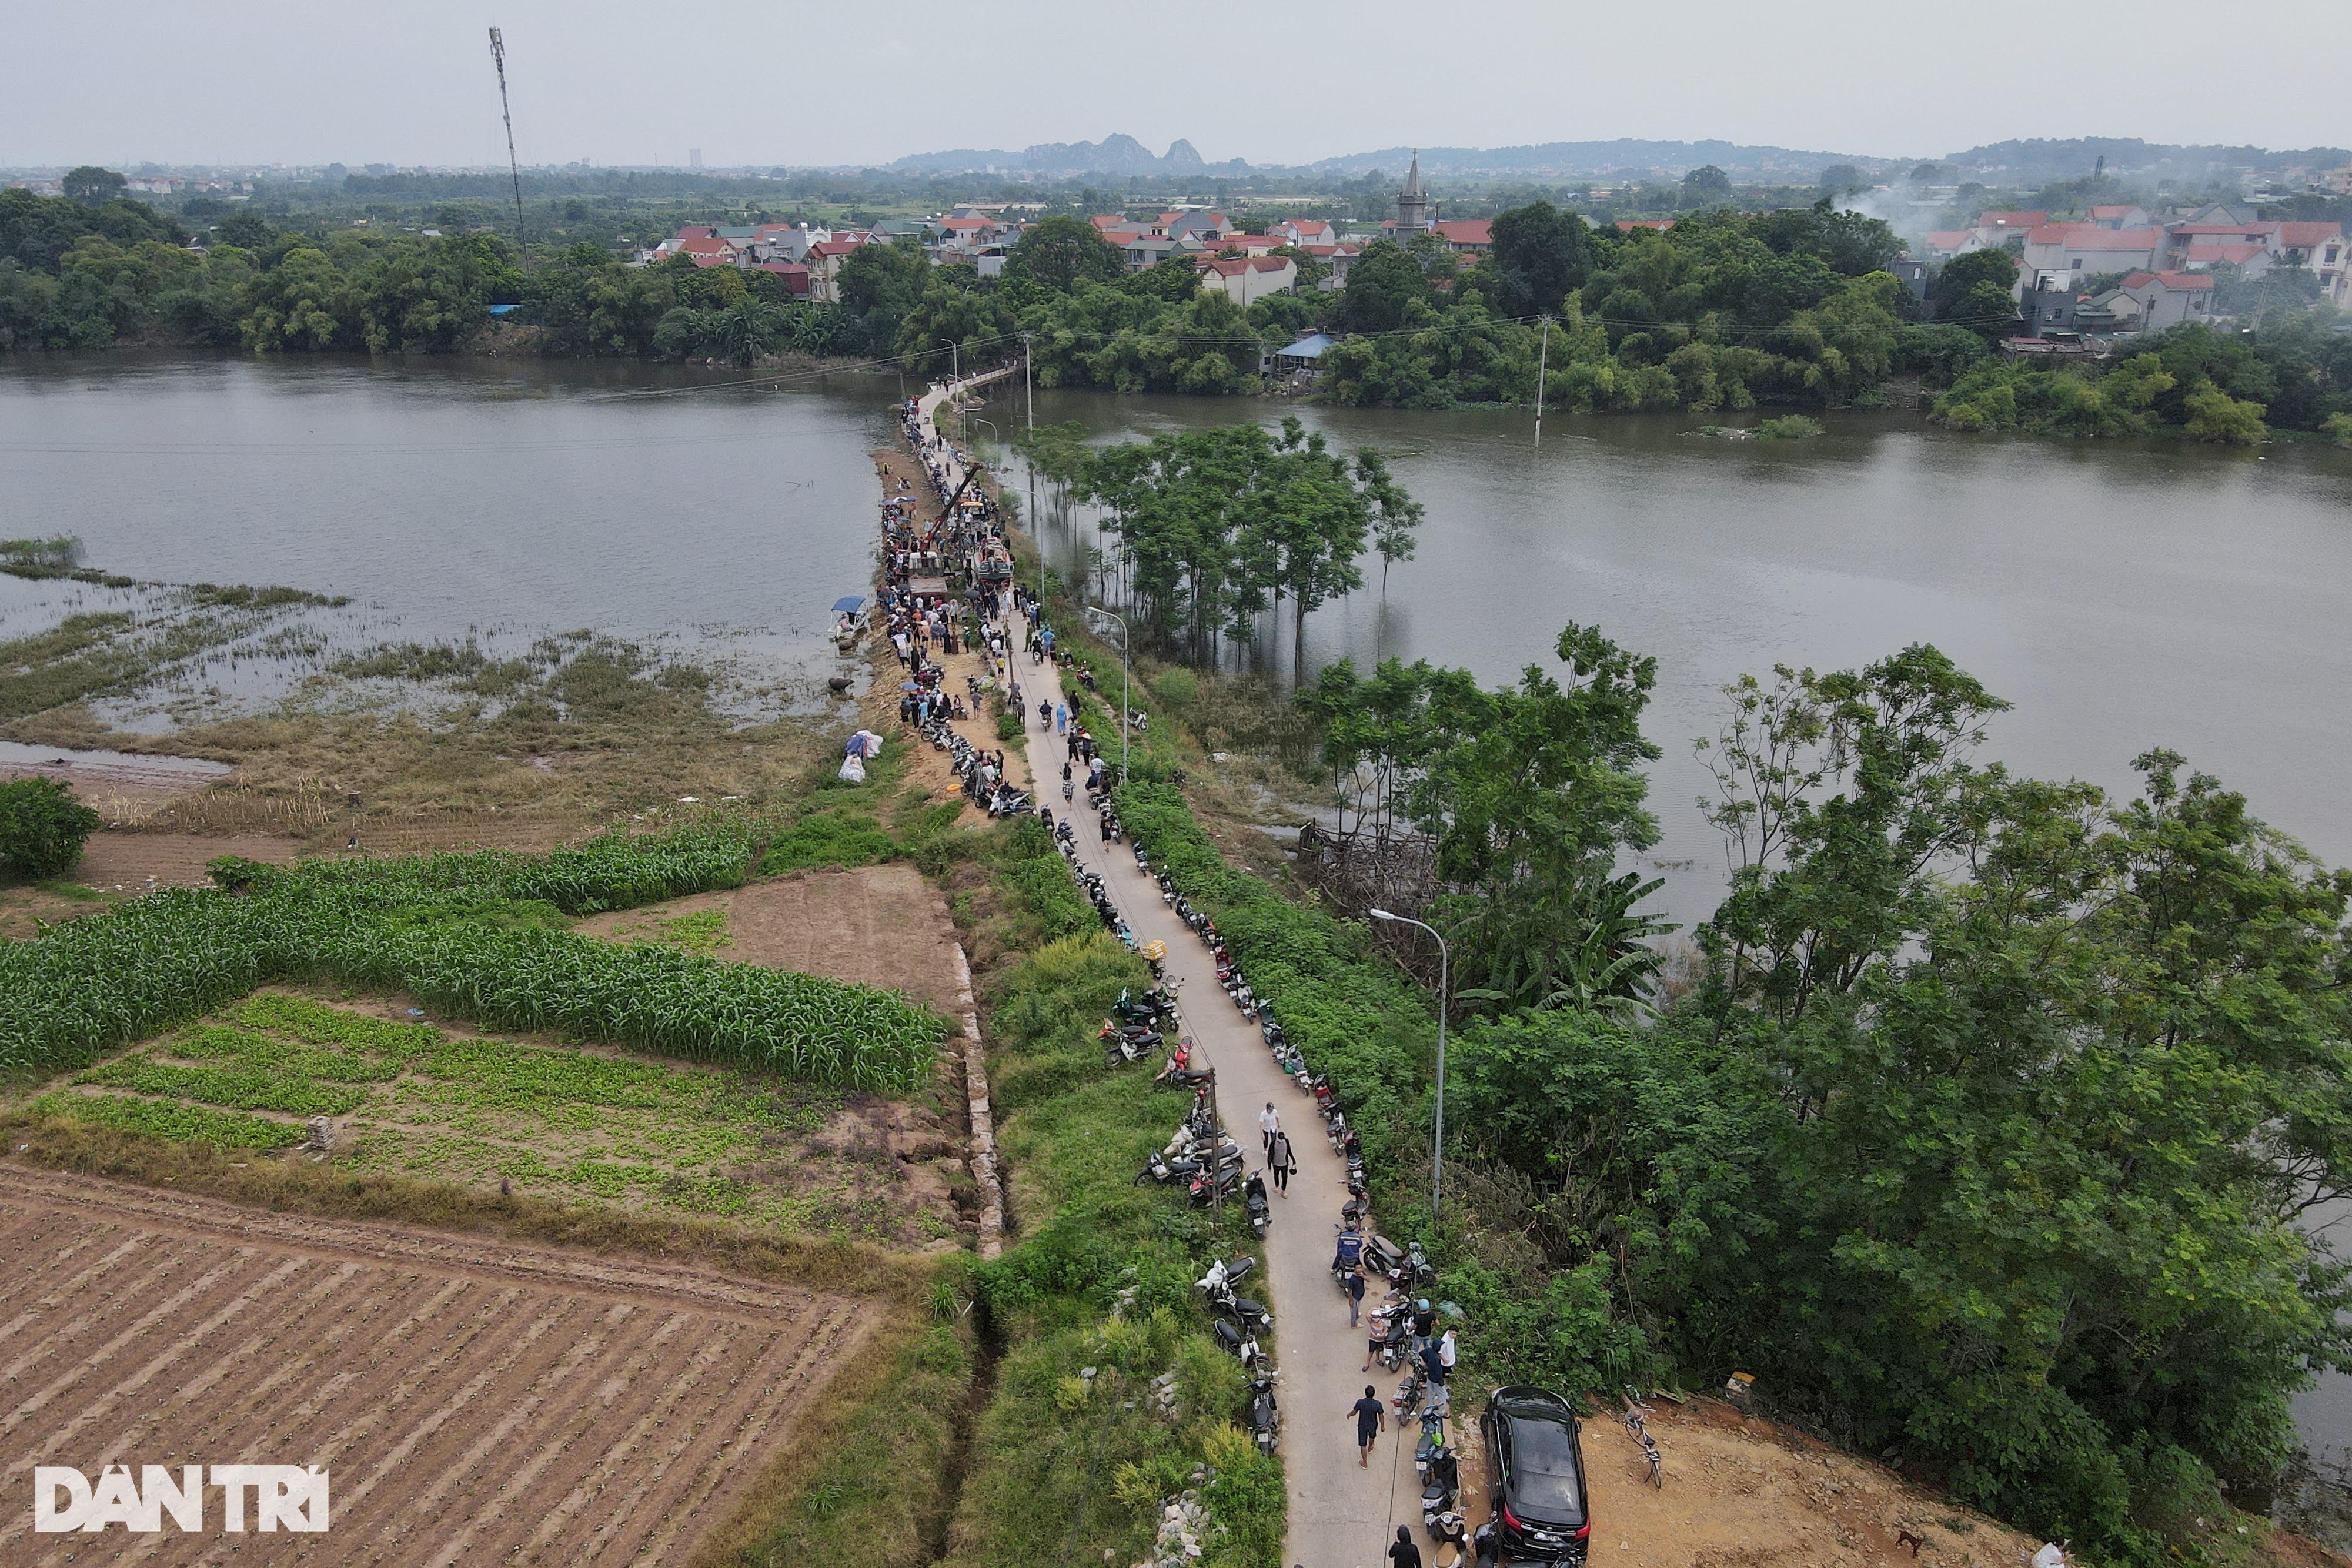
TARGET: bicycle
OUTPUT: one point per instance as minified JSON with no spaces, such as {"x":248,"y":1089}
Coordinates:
{"x":1640,"y":1431}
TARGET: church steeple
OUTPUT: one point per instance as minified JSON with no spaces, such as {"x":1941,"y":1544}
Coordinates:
{"x":1413,"y":207}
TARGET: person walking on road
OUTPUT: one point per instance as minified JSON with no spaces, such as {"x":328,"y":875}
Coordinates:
{"x":1278,"y":1160}
{"x":1371,"y":1417}
{"x":1404,"y":1553}
{"x":1353,"y":1279}
{"x":1268,"y":1123}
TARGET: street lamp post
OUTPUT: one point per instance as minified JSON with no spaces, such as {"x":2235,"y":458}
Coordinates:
{"x":1124,"y":725}
{"x":1445,"y":985}
{"x":955,"y":377}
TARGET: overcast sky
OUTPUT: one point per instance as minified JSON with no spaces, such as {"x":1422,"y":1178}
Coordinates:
{"x":755,"y":83}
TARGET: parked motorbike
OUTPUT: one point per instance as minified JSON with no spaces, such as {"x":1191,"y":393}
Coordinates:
{"x":1210,"y":1185}
{"x":1441,"y":1487}
{"x":1264,"y":1419}
{"x":1240,"y":1341}
{"x":1154,"y":1007}
{"x":1164,"y":1168}
{"x":1393,"y":1326}
{"x":1254,"y":1198}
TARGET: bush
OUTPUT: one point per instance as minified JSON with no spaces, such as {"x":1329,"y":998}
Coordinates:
{"x":42,"y":826}
{"x":2337,"y":428}
{"x":1010,"y":728}
{"x":1788,"y":427}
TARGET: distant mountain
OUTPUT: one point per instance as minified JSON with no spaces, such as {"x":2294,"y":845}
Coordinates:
{"x":1114,"y":155}
{"x":2036,"y":161}
{"x":1623,"y":156}
{"x":2019,"y":163}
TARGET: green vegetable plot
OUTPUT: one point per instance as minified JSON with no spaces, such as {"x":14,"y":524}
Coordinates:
{"x":474,"y":936}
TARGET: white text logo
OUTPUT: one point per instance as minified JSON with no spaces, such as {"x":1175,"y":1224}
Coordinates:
{"x":284,"y":1497}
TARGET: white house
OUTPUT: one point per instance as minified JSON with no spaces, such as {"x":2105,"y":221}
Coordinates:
{"x":1245,"y":280}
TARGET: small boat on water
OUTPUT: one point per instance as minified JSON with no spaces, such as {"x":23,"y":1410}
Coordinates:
{"x":848,"y":622}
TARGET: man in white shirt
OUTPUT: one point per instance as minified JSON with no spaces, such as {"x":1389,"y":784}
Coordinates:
{"x":1268,"y":1124}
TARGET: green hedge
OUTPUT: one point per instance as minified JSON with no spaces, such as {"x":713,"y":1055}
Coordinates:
{"x":469,"y":934}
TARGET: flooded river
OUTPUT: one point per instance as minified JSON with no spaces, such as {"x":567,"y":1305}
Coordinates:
{"x":2121,"y":597}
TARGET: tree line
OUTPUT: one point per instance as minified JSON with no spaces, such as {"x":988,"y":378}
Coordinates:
{"x":1724,"y":309}
{"x":1979,"y":1127}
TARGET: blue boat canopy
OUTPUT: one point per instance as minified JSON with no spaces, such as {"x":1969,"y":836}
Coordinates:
{"x":849,"y":605}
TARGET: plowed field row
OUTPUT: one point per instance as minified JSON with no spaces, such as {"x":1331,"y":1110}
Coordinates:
{"x":473,"y":1401}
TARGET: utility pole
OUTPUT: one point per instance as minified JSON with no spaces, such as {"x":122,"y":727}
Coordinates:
{"x":1543,"y":360}
{"x":499,"y":55}
{"x":1125,"y":724}
{"x":1028,"y":388}
{"x":1444,"y":988}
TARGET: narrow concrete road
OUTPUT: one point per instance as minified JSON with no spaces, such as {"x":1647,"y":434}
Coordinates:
{"x":1339,"y":1513}
{"x":1341,"y":1516}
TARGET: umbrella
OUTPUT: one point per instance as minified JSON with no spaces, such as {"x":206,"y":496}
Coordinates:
{"x":908,"y":686}
{"x":848,"y":605}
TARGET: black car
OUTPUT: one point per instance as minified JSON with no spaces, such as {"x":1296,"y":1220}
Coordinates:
{"x":1538,"y":1466}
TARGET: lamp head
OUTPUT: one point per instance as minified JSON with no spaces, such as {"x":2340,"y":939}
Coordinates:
{"x":1379,"y":915}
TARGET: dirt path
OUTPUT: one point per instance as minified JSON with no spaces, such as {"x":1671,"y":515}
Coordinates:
{"x":472,"y":1400}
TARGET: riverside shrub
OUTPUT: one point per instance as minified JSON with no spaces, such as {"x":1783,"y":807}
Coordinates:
{"x":42,"y":826}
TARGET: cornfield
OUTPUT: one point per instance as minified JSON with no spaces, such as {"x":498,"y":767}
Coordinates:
{"x":456,"y":932}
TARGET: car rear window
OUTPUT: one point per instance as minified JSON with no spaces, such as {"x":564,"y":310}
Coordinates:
{"x":1543,"y":1458}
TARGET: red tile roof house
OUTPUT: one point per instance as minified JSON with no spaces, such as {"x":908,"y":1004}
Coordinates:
{"x":1246,"y":279}
{"x":2088,"y":248}
{"x":677,"y":242}
{"x":2018,"y":219}
{"x":823,"y":264}
{"x":2324,"y":249}
{"x":1627,"y":226}
{"x":796,"y":277}
{"x":1468,"y":237}
{"x":1339,"y":258}
{"x":2163,"y":299}
{"x":1307,"y":231}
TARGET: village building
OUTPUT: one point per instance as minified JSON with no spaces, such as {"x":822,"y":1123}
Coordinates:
{"x":1247,"y":279}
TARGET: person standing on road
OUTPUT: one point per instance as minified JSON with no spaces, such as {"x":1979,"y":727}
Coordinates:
{"x":1268,"y":1123}
{"x":1353,"y":1281}
{"x":1371,"y":1417}
{"x":1278,"y":1160}
{"x":1404,"y":1553}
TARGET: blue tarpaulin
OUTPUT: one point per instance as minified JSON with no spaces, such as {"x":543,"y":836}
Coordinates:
{"x":849,"y":605}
